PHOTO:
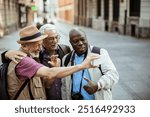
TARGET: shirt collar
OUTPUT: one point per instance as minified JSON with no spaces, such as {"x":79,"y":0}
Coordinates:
{"x":79,"y":56}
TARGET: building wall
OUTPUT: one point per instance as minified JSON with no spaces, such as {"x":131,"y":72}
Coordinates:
{"x":144,"y":22}
{"x":90,"y":12}
{"x":2,"y":18}
{"x":124,"y":23}
{"x":127,"y":25}
{"x":86,"y":15}
{"x":98,"y":22}
{"x":66,"y":11}
{"x":8,"y":16}
{"x":76,"y":8}
{"x":11,"y":16}
{"x":114,"y":18}
{"x":141,"y":24}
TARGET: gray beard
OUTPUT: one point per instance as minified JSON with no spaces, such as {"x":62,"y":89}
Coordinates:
{"x":33,"y":55}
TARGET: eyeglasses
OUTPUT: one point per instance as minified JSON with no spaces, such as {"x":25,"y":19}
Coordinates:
{"x":51,"y":39}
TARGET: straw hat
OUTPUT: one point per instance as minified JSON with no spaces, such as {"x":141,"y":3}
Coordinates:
{"x":30,"y":34}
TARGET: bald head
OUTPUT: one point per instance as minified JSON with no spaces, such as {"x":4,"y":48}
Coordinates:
{"x":76,"y":32}
{"x":78,"y":41}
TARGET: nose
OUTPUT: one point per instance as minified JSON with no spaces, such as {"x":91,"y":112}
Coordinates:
{"x":39,"y":48}
{"x":80,"y":42}
{"x":40,"y":45}
{"x":55,"y":40}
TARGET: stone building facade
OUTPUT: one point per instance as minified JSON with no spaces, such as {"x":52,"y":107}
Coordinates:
{"x":128,"y":17}
{"x":15,"y":14}
{"x":8,"y":16}
{"x":135,"y":18}
{"x":66,"y":11}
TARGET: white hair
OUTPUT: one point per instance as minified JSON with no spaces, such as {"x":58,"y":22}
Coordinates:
{"x":47,"y":27}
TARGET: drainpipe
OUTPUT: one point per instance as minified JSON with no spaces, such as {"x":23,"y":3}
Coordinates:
{"x":125,"y":18}
{"x":125,"y":21}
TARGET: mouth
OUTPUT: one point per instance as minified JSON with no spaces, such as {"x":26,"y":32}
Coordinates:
{"x":53,"y":46}
{"x":82,"y":49}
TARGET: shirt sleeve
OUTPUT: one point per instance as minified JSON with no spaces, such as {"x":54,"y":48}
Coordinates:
{"x":27,"y":68}
{"x":111,"y":75}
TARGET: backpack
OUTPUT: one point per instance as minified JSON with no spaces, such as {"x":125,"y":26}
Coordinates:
{"x":64,"y":50}
{"x":3,"y":83}
{"x":94,"y":50}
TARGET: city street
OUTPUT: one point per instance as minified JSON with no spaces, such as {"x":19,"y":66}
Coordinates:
{"x":131,"y":57}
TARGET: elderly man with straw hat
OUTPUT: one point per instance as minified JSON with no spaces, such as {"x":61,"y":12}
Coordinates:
{"x":28,"y":79}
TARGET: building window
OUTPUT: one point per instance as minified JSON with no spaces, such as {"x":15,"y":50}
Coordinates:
{"x":115,"y":10}
{"x":135,"y":8}
{"x":98,"y":8}
{"x":78,"y":8}
{"x":106,"y":9}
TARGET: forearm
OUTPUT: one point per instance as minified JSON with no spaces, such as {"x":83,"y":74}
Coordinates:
{"x":60,"y":72}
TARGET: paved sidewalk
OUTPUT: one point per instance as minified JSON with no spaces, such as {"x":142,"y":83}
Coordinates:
{"x":8,"y":42}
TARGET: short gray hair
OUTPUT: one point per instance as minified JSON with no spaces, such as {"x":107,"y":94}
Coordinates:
{"x":47,"y":27}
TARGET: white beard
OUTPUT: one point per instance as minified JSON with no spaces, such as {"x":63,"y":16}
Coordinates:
{"x":34,"y":54}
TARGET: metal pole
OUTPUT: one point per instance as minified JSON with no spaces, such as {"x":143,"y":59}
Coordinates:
{"x":125,"y":18}
{"x":125,"y":21}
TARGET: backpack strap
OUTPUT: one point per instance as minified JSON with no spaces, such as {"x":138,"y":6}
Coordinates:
{"x":30,"y":92}
{"x":64,"y":50}
{"x":27,"y":81}
{"x":3,"y":58}
{"x":67,"y":59}
{"x":21,"y":88}
{"x":3,"y":81}
{"x":97,"y":51}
